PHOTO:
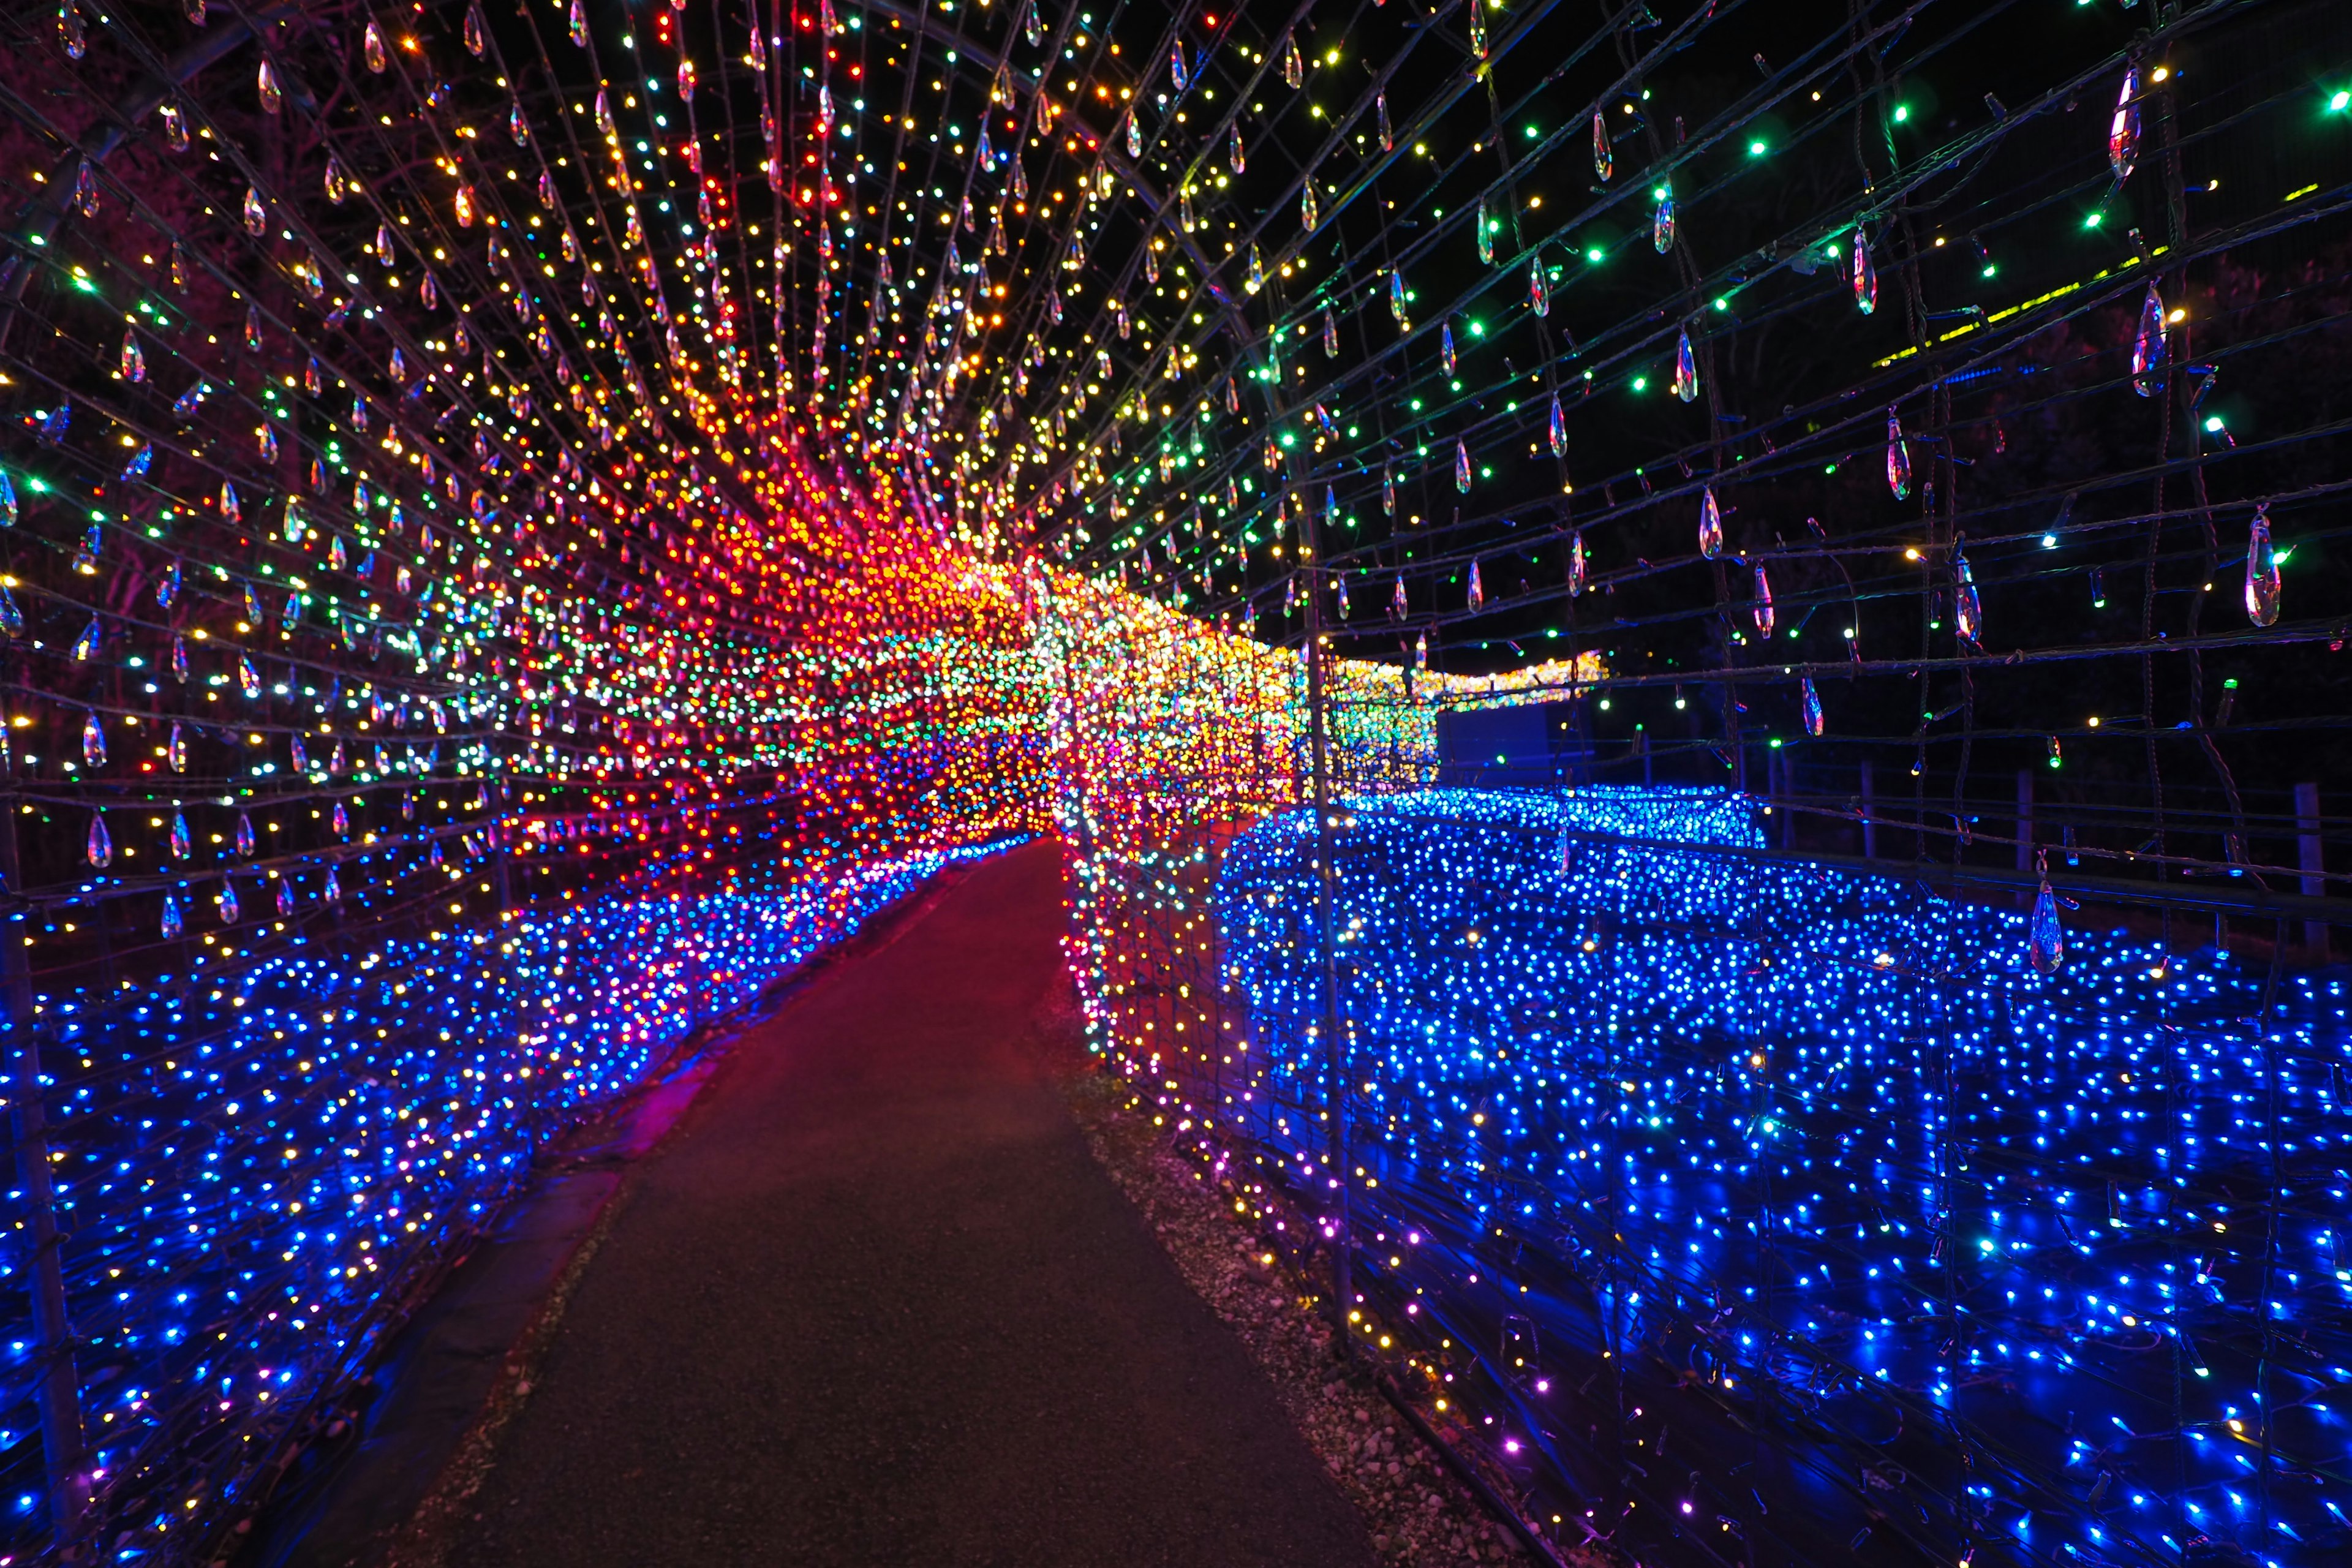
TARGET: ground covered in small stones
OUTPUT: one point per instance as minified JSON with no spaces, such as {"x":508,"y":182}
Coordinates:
{"x":1416,"y":1509}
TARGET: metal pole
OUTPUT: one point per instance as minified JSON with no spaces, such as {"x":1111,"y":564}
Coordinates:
{"x":1869,"y":814}
{"x":2025,"y":827}
{"x":56,"y":1389}
{"x":1787,"y":791}
{"x":2311,"y":852}
{"x":1335,"y":1056}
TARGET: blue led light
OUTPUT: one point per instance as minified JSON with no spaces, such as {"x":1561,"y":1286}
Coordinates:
{"x":1810,"y":1173}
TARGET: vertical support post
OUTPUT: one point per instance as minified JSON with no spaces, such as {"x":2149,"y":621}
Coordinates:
{"x":55,"y":1388}
{"x":1335,"y":1054}
{"x":1869,"y":814}
{"x":1787,"y":792}
{"x":2025,"y":819}
{"x":2311,"y":853}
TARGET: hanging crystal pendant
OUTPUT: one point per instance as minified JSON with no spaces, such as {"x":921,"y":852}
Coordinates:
{"x":2148,"y":345}
{"x":2045,"y":945}
{"x":1764,"y":620}
{"x":1381,"y":108}
{"x":1445,"y":355}
{"x":1539,"y":294}
{"x":1967,"y":610}
{"x":1710,"y":525}
{"x":266,"y":82}
{"x":227,"y":901}
{"x":1577,"y":568}
{"x":2122,"y":131}
{"x":170,"y":925}
{"x":1478,"y":589}
{"x":1558,"y":429}
{"x":134,"y":363}
{"x":1234,"y":158}
{"x":1399,"y":606}
{"x":1461,"y":467}
{"x":1308,"y":212}
{"x":93,"y":741}
{"x":100,"y":844}
{"x":1662,"y":221}
{"x":1330,"y":335}
{"x":1898,"y":457}
{"x":1604,"y":162}
{"x":1294,"y":70}
{"x":1685,"y":369}
{"x":371,"y":50}
{"x":2261,"y":571}
{"x":1812,"y":705}
{"x":1486,"y":228}
{"x":1388,"y":491}
{"x":176,"y":752}
{"x":1397,"y":302}
{"x":1866,"y":275}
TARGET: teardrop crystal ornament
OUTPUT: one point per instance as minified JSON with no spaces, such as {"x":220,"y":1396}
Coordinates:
{"x":1710,"y":525}
{"x":2261,"y":571}
{"x":1462,"y":467}
{"x":1967,"y":610}
{"x":1898,"y":457}
{"x":1763,"y":604}
{"x":1866,"y":275}
{"x":1813,"y":708}
{"x":1604,"y":162}
{"x":2147,"y":345}
{"x":1686,"y":370}
{"x":2122,"y":131}
{"x":1478,"y":589}
{"x":2045,"y":944}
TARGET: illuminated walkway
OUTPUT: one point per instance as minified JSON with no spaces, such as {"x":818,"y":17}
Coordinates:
{"x":873,"y":1303}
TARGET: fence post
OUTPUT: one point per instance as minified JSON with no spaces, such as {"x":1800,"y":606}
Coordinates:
{"x":2025,"y":819}
{"x":1869,"y":814}
{"x":57,"y":1390}
{"x":1335,"y":1053}
{"x":1788,"y":793}
{"x":2310,"y":850}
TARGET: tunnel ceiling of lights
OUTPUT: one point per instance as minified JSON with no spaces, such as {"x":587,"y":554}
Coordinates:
{"x":520,"y":521}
